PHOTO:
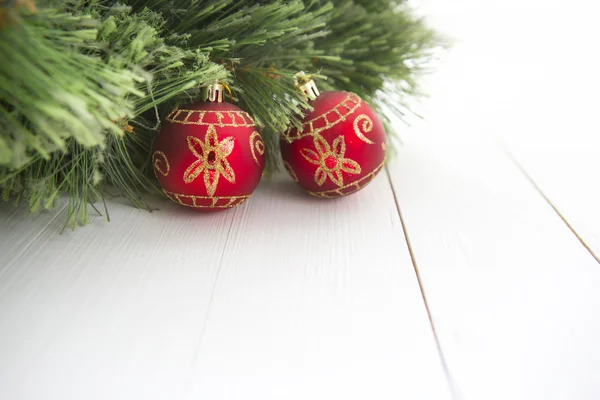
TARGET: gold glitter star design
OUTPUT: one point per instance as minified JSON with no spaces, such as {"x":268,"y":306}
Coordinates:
{"x":331,"y":160}
{"x":212,"y":160}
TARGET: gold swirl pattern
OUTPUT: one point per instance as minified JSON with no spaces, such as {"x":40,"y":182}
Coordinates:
{"x":349,"y":188}
{"x":189,"y":200}
{"x":256,"y":145}
{"x":367,"y":126}
{"x":325,"y":121}
{"x":208,"y":118}
{"x":160,"y":163}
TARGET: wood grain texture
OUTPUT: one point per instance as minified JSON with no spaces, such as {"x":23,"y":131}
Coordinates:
{"x":509,"y":84}
{"x":19,"y":230}
{"x":109,"y":311}
{"x":286,"y":297}
{"x":317,"y":300}
{"x":513,"y":294}
{"x":568,"y":178}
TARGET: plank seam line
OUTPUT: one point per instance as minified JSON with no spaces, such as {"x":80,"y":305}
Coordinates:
{"x":556,"y":210}
{"x":421,"y":288}
{"x":206,"y":315}
{"x":28,"y":246}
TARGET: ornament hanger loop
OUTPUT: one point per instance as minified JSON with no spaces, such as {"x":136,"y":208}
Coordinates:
{"x":214,"y":92}
{"x":306,"y":85}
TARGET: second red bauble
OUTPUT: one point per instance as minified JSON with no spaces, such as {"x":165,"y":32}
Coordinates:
{"x":209,"y":156}
{"x":340,"y":148}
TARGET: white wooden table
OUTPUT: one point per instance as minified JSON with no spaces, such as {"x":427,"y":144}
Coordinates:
{"x":469,"y":269}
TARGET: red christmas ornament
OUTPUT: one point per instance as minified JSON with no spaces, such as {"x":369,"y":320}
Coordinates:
{"x":340,"y":147}
{"x":209,"y":155}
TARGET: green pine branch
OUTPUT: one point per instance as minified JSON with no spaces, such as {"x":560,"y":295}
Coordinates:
{"x":84,"y":84}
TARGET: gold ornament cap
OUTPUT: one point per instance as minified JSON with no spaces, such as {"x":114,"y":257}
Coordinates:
{"x":306,"y":85}
{"x":214,"y":92}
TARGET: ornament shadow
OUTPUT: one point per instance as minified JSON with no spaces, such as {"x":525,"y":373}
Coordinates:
{"x":282,"y":187}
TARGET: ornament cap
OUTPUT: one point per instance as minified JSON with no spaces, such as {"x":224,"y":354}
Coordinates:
{"x":214,"y":92}
{"x":306,"y":85}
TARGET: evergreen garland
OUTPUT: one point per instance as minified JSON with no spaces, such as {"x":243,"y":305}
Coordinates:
{"x":85,"y":83}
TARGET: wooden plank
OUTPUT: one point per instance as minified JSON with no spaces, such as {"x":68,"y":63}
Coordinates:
{"x":513,"y":294}
{"x":20,"y":229}
{"x":505,"y":81}
{"x":284,"y":297}
{"x":317,"y":300}
{"x":111,"y":310}
{"x":568,"y":178}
